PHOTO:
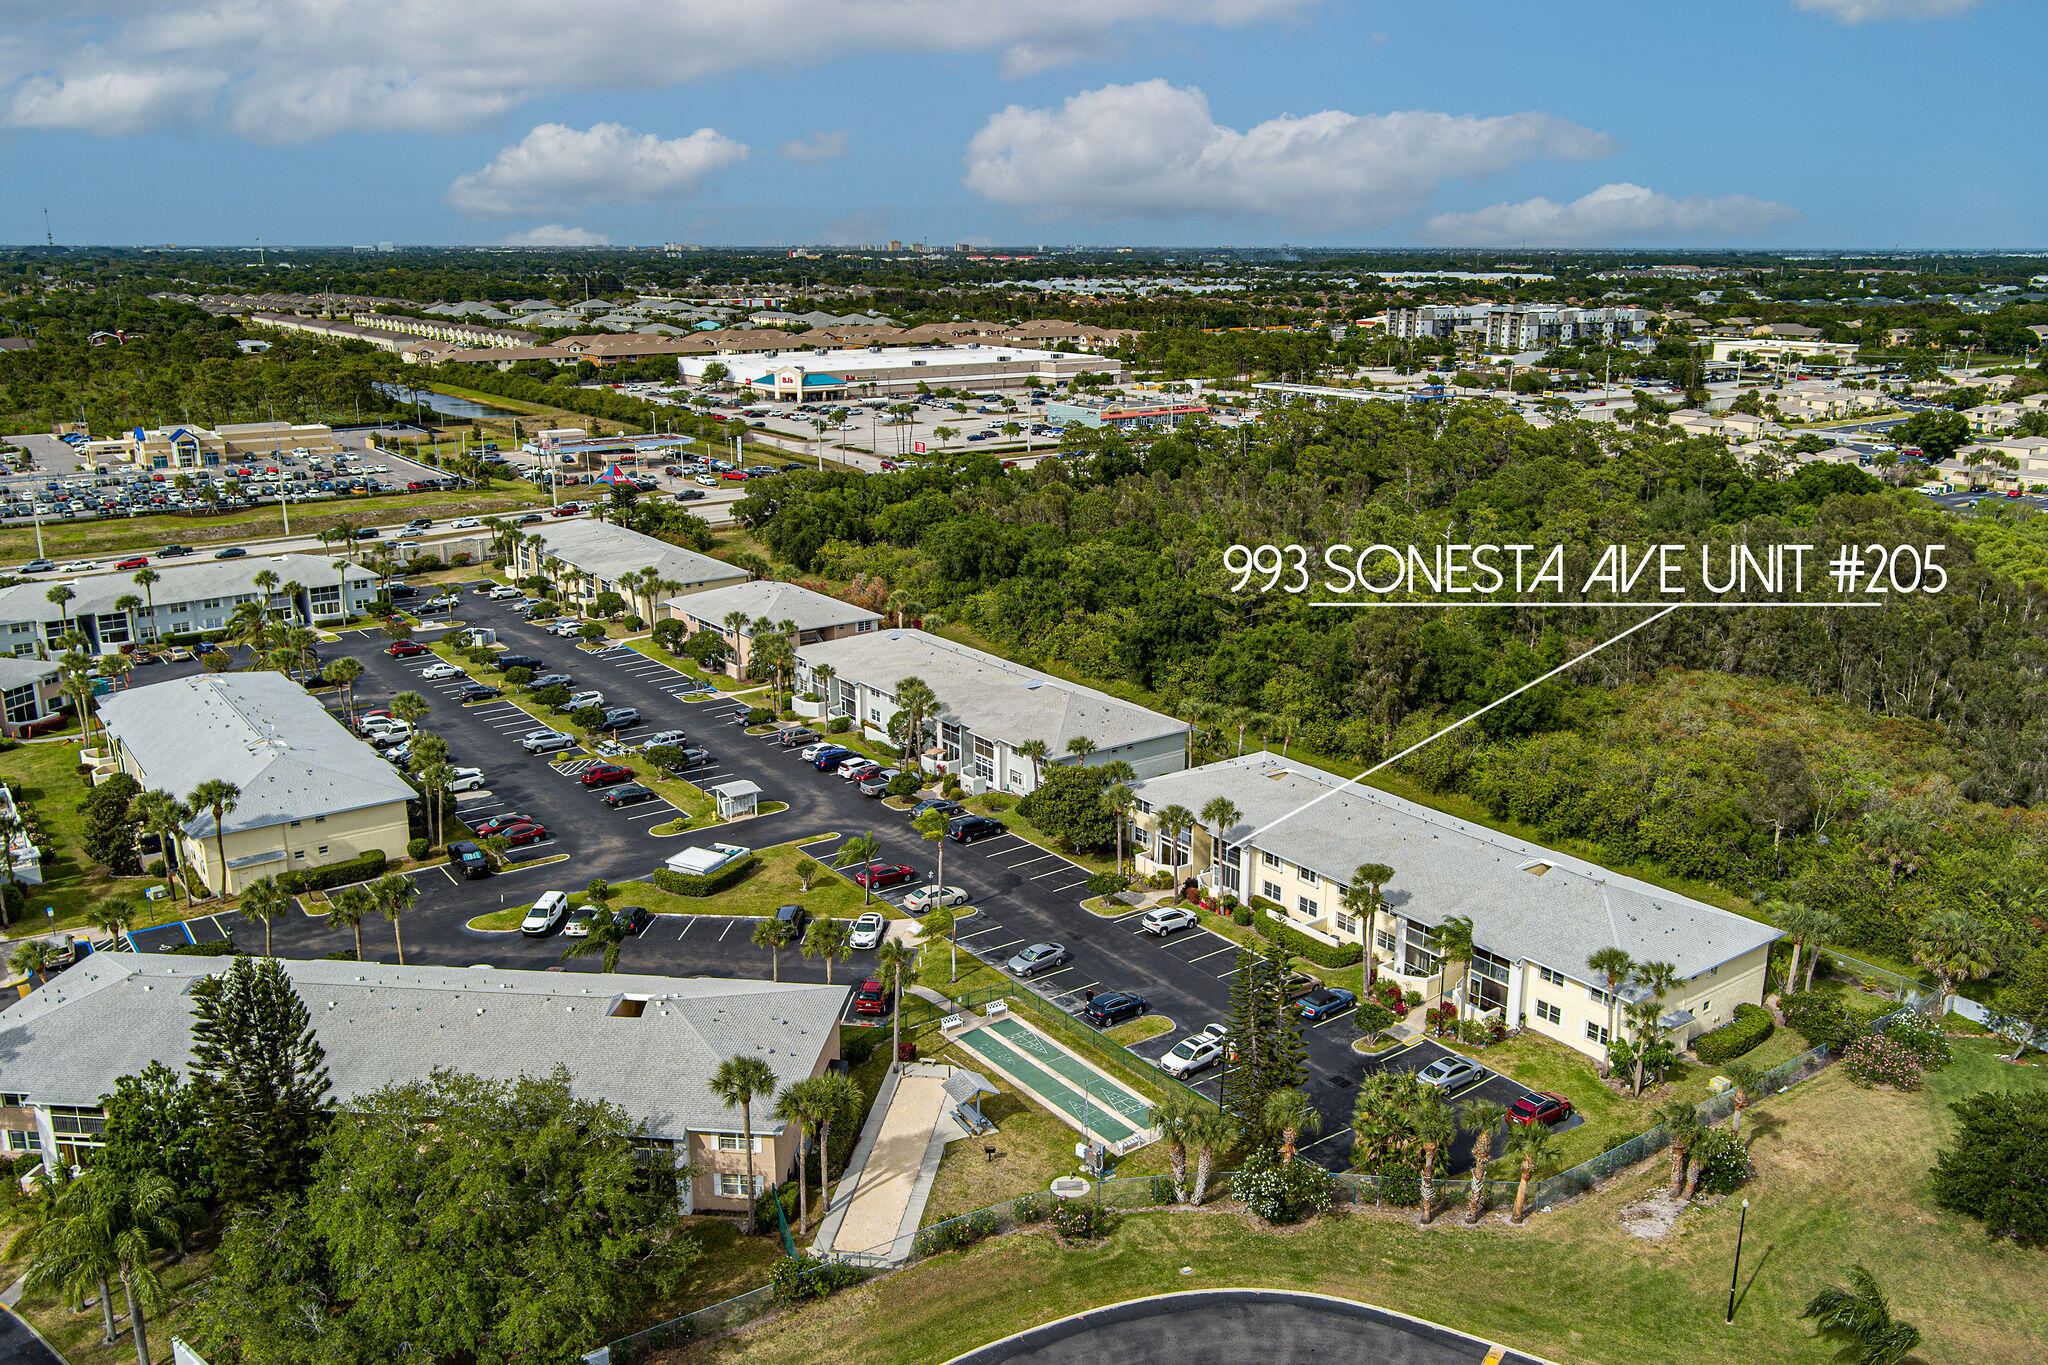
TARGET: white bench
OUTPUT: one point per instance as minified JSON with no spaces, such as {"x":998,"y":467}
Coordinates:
{"x":996,"y":1009}
{"x":951,"y":1022}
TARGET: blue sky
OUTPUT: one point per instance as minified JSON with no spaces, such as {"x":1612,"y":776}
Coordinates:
{"x":1855,"y":123}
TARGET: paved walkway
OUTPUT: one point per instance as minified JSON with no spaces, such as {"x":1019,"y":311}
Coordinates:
{"x":882,"y":1194}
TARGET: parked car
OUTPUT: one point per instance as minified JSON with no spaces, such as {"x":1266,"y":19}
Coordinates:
{"x":508,"y":662}
{"x":867,"y":932}
{"x":792,"y":919}
{"x":965,"y":829}
{"x":405,"y":649}
{"x":1446,"y":1073}
{"x":605,"y":775}
{"x":447,"y":601}
{"x":525,"y":834}
{"x":505,"y":592}
{"x":815,"y":751}
{"x":877,"y":783}
{"x":632,"y":794}
{"x":875,"y":876}
{"x":1113,"y":1007}
{"x":790,"y":739}
{"x":635,"y":918}
{"x":578,"y":924}
{"x":1540,"y":1106}
{"x":621,"y":718}
{"x":1295,"y":985}
{"x":946,"y":808}
{"x":692,"y":757}
{"x":1191,"y":1054}
{"x":1039,"y":957}
{"x":551,"y":680}
{"x":665,"y":739}
{"x":547,"y":912}
{"x":441,"y":670}
{"x":872,"y":997}
{"x":477,"y":691}
{"x":466,"y":780}
{"x":932,"y":894}
{"x":854,"y":768}
{"x":832,"y":758}
{"x":583,"y":699}
{"x":545,"y":741}
{"x":1325,"y":1002}
{"x":473,"y":861}
{"x":1165,"y":920}
{"x":499,"y":823}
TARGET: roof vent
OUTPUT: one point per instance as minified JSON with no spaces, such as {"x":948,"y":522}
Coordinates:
{"x":1536,"y":867}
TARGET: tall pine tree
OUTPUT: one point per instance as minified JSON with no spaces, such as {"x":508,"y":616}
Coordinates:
{"x":1244,"y":1076}
{"x":1285,"y":1055}
{"x":261,"y":1078}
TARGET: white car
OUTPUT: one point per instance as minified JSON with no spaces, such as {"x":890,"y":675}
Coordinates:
{"x":442,"y":670}
{"x":464,"y":524}
{"x":467,"y":780}
{"x":707,"y":480}
{"x":926,"y":897}
{"x":810,"y":753}
{"x":1191,"y":1054}
{"x":504,"y":591}
{"x":546,"y":913}
{"x":78,"y":566}
{"x":856,"y":767}
{"x":1163,"y":921}
{"x":583,"y":699}
{"x":867,"y":931}
{"x":447,"y":601}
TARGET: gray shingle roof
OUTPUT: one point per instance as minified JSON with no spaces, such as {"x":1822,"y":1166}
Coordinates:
{"x":991,"y":696}
{"x":607,"y":551}
{"x":21,"y":672}
{"x":1445,"y":866}
{"x":291,"y":759}
{"x":778,"y":602}
{"x":206,"y":579}
{"x":114,"y":1013}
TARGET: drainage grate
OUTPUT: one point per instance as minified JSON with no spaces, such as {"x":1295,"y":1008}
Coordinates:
{"x":1339,"y":1082}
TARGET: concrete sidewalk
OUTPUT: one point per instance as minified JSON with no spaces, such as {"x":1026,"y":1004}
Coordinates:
{"x":882,"y":1195}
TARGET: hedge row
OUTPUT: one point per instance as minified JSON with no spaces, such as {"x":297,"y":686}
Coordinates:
{"x":1750,"y":1026}
{"x":703,"y":884}
{"x":360,"y":868}
{"x":1269,"y":925}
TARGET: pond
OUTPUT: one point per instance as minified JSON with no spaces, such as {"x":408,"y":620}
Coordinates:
{"x":445,"y":404}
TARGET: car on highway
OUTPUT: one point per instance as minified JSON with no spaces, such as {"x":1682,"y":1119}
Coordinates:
{"x":80,"y":566}
{"x":1191,"y":1054}
{"x":498,"y":824}
{"x":441,"y":670}
{"x":872,"y":997}
{"x":1446,"y":1073}
{"x":632,"y":794}
{"x":525,"y":834}
{"x":867,"y":932}
{"x":931,"y":894}
{"x":529,"y":519}
{"x":133,"y":562}
{"x":1325,"y":1002}
{"x":1168,"y":919}
{"x":1540,"y":1106}
{"x":605,"y":775}
{"x":965,"y":829}
{"x":38,"y":566}
{"x":174,"y":552}
{"x":1114,"y":1007}
{"x":405,"y":649}
{"x":464,"y":524}
{"x":1039,"y":957}
{"x":546,"y":912}
{"x":876,"y":876}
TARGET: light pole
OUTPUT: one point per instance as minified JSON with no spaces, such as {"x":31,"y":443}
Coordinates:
{"x":1736,"y":1270}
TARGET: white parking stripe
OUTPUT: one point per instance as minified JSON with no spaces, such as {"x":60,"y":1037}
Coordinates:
{"x":1326,"y":1138}
{"x":1056,"y":872}
{"x":687,"y":922}
{"x":1228,"y":947}
{"x":992,"y":929}
{"x":1029,"y":861}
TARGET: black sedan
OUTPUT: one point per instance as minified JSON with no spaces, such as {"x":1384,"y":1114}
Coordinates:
{"x":632,"y":794}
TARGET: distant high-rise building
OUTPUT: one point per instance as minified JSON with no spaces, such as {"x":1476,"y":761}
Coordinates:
{"x":386,"y":246}
{"x":895,"y":245}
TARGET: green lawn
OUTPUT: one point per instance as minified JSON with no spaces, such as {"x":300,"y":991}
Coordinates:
{"x":50,"y":785}
{"x":1134,"y":1031}
{"x":1004,"y":808}
{"x":1841,"y":1178}
{"x":77,"y":1335}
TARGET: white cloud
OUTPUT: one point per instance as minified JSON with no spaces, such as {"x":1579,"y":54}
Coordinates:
{"x":289,"y":70}
{"x":556,"y":167}
{"x":1871,"y":11}
{"x":1612,"y":213}
{"x":554,"y":234}
{"x":1152,"y":150}
{"x":819,"y":147}
{"x":111,"y":101}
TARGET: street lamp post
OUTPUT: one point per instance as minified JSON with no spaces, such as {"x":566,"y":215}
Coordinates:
{"x":1736,"y":1270}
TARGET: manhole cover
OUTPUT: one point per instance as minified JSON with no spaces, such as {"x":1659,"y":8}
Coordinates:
{"x":1339,"y":1082}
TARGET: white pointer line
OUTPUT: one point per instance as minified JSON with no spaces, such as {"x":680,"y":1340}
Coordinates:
{"x":1519,"y":602}
{"x":1533,"y":682}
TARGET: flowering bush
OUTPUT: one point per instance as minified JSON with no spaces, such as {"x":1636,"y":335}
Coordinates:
{"x":1082,"y":1220}
{"x":1281,"y":1193}
{"x":1923,"y":1038}
{"x":1724,"y":1164}
{"x":1388,"y":993}
{"x":1876,"y":1059}
{"x":1441,"y":1017}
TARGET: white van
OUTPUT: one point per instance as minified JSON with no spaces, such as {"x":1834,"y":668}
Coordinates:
{"x":547,"y":912}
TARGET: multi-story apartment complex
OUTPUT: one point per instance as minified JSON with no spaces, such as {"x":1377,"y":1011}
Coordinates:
{"x":809,"y":617}
{"x":1529,"y":329}
{"x":1537,"y":916}
{"x":585,"y":558}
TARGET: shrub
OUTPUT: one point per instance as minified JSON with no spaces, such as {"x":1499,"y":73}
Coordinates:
{"x":1031,"y":1208}
{"x":760,"y":715}
{"x":587,"y":717}
{"x":519,"y":677}
{"x":906,"y":1052}
{"x":633,"y":622}
{"x":1082,"y":1220}
{"x":1107,"y":884}
{"x":1281,"y":1193}
{"x":1923,"y":1038}
{"x":792,"y":1279}
{"x":838,"y":725}
{"x":856,"y":1045}
{"x":360,"y":868}
{"x":1873,"y":1059}
{"x":223,"y":948}
{"x":416,"y":849}
{"x":905,"y":784}
{"x":1724,"y":1164}
{"x":1750,"y":1026}
{"x":1315,"y":950}
{"x":1388,"y":993}
{"x":1241,"y":916}
{"x":155,"y":868}
{"x":1996,"y":1169}
{"x":460,"y":560}
{"x":1400,"y":1185}
{"x":1162,"y":1189}
{"x":1372,"y":1018}
{"x":954,"y":1233}
{"x":703,"y":884}
{"x":1819,"y":1019}
{"x":1160,"y":881}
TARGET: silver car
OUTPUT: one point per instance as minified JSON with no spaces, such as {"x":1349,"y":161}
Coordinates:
{"x":1447,"y":1073}
{"x":1039,"y":957}
{"x":867,"y":931}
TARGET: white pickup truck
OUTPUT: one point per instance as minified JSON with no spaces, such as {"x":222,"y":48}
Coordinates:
{"x":697,"y":861}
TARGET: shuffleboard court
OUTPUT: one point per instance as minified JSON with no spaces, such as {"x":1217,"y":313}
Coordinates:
{"x":1059,"y":1080}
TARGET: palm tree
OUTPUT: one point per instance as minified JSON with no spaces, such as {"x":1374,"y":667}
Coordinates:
{"x":217,"y":795}
{"x":1859,"y":1317}
{"x":112,"y":917}
{"x":1529,"y":1141}
{"x":931,"y":827}
{"x":126,"y":604}
{"x":828,"y":938}
{"x":1172,"y":1117}
{"x":1174,"y":821}
{"x":67,"y":1250}
{"x":31,"y":957}
{"x":1208,"y":1131}
{"x":1453,"y":944}
{"x":842,"y":1095}
{"x":890,"y":960}
{"x":1746,"y":1080}
{"x":917,"y":706}
{"x":108,"y":1223}
{"x":350,"y":906}
{"x":1080,"y":746}
{"x":265,"y":581}
{"x":147,"y":579}
{"x":343,"y":673}
{"x":393,"y":895}
{"x":1806,"y":927}
{"x":1220,"y":815}
{"x":861,"y":848}
{"x":941,"y":924}
{"x":736,"y":1082}
{"x":1435,"y":1125}
{"x":1955,"y":948}
{"x":1118,"y":800}
{"x":1480,"y":1118}
{"x":1612,"y":965}
{"x":1289,"y":1113}
{"x":60,"y":594}
{"x":265,"y":900}
{"x":1682,"y":1128}
{"x":410,"y":707}
{"x":802,"y":1107}
{"x":1035,"y":750}
{"x":163,"y":815}
{"x":773,"y":935}
{"x":1363,"y":898}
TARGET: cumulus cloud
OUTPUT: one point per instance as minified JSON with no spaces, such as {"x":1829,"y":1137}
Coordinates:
{"x":554,"y":234}
{"x":1612,"y":213}
{"x":287,"y":70}
{"x":556,"y":167}
{"x":111,"y":100}
{"x":1871,"y":11}
{"x":1152,"y":150}
{"x":819,"y":147}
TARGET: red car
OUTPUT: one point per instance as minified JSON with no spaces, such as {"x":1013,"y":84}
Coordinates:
{"x":604,"y":774}
{"x":1540,"y":1106}
{"x":879,"y":875}
{"x":525,"y":834}
{"x":567,"y":509}
{"x":405,"y":649}
{"x":498,"y":824}
{"x":739,"y":475}
{"x":134,"y":562}
{"x":871,"y":998}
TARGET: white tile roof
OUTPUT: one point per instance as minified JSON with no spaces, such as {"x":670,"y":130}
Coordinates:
{"x":114,"y":1013}
{"x":607,"y":551}
{"x":194,"y":582}
{"x":778,"y":602}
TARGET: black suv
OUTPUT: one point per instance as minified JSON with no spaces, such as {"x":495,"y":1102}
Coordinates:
{"x":508,"y":662}
{"x":1114,"y":1008}
{"x":967,"y":828}
{"x":792,"y":919}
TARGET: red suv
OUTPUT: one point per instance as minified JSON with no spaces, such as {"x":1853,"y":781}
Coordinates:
{"x":871,"y":998}
{"x":135,"y":562}
{"x":405,"y":649}
{"x":604,"y":774}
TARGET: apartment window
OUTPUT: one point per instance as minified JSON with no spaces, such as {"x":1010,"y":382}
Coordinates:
{"x":1308,"y":877}
{"x":1346,"y":924}
{"x":319,"y":819}
{"x":323,"y":850}
{"x":1270,"y":860}
{"x":1384,"y":941}
{"x":20,"y":703}
{"x":295,"y":824}
{"x":67,"y":1121}
{"x":12,"y":1101}
{"x":1598,"y":996}
{"x":1233,"y":876}
{"x":1272,"y":892}
{"x":29,"y":1141}
{"x":1142,"y":806}
{"x":1307,"y":906}
{"x":1549,"y":977}
{"x":735,"y":1186}
{"x":984,"y":759}
{"x":734,"y":1142}
{"x":1549,"y":1013}
{"x":1596,"y":1032}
